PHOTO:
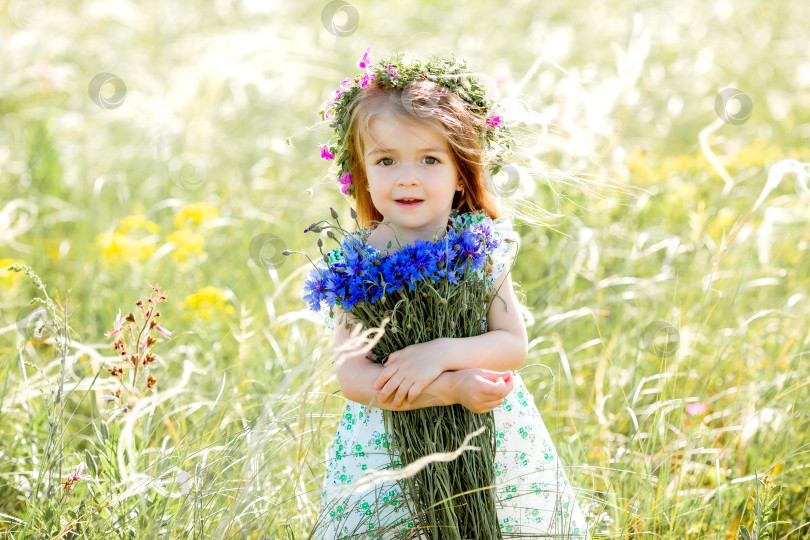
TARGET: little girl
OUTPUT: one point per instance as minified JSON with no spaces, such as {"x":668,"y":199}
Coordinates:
{"x":412,"y":143}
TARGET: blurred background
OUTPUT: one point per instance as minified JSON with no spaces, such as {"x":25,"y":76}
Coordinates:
{"x":176,"y":143}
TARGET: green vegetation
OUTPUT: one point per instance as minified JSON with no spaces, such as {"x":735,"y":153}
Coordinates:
{"x":673,"y":323}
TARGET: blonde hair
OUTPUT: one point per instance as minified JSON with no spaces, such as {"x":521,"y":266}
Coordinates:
{"x":426,"y":103}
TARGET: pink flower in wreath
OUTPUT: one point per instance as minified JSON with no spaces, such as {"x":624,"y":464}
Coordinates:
{"x":368,"y":77}
{"x":344,"y":85}
{"x":325,"y":153}
{"x":393,"y":71}
{"x":494,"y":121}
{"x":345,"y":180}
{"x":365,"y":61}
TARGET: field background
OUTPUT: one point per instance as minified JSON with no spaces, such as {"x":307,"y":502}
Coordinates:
{"x":176,"y":143}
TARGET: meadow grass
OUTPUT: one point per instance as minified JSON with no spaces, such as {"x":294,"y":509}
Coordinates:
{"x":668,"y":329}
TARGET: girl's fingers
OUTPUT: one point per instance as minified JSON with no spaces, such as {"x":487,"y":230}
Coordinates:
{"x":490,"y":405}
{"x":489,"y":375}
{"x":389,"y":387}
{"x":383,"y":377}
{"x":413,"y":393}
{"x":509,"y":386}
{"x":402,"y":394}
{"x":495,"y":384}
{"x":495,"y":376}
{"x":500,"y":389}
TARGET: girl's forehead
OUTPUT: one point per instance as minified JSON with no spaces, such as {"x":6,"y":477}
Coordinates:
{"x":391,"y":129}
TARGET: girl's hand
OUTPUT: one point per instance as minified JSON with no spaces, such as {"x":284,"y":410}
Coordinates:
{"x":481,"y":390}
{"x":410,"y":370}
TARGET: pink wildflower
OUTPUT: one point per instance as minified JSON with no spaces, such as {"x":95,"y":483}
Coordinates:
{"x":325,"y":153}
{"x":54,"y":76}
{"x":67,"y":485}
{"x":166,"y":333}
{"x":394,"y":73}
{"x":696,"y":408}
{"x":365,"y":61}
{"x":117,"y":325}
{"x":494,"y":121}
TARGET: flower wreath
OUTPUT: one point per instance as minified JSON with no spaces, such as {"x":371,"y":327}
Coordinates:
{"x":394,"y":72}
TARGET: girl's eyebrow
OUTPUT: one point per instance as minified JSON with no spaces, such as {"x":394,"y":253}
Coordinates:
{"x":393,"y":151}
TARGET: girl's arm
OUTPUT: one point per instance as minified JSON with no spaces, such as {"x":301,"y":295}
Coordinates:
{"x":505,"y":344}
{"x":355,"y":374}
{"x":479,"y":390}
{"x":503,"y":348}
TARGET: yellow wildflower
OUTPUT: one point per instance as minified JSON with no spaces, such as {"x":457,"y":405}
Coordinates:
{"x":756,"y":154}
{"x":133,"y":241}
{"x":119,"y":247}
{"x":207,"y":303}
{"x":721,"y":224}
{"x":8,"y":278}
{"x":187,"y":244}
{"x":54,"y":246}
{"x":195,"y":213}
{"x":138,"y":222}
{"x":686,"y":163}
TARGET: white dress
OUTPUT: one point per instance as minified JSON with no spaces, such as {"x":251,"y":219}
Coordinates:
{"x":534,"y":497}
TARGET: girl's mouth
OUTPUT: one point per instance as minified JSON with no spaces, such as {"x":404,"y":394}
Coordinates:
{"x":409,"y":203}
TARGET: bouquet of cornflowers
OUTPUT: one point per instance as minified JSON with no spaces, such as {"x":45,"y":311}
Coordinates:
{"x":426,"y":290}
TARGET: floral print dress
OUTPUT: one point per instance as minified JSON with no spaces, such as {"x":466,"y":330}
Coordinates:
{"x":534,"y":497}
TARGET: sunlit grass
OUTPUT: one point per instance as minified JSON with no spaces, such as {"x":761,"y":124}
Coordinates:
{"x":673,"y":324}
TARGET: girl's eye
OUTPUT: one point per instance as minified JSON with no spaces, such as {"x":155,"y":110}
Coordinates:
{"x":390,"y":161}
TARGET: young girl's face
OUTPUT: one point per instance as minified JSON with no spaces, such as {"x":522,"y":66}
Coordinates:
{"x":405,"y":160}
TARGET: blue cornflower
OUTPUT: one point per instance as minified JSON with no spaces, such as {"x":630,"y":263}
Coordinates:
{"x":470,"y":245}
{"x":391,"y":274}
{"x":356,"y":290}
{"x":365,"y":274}
{"x":422,"y":262}
{"x":314,"y":289}
{"x":334,"y":287}
{"x":355,"y":265}
{"x":374,"y":292}
{"x":396,"y":270}
{"x":484,"y":230}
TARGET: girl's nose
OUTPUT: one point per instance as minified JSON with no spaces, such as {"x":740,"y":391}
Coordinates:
{"x":409,"y":175}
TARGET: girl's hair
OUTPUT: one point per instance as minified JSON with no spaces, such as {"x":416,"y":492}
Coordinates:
{"x":427,"y":103}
